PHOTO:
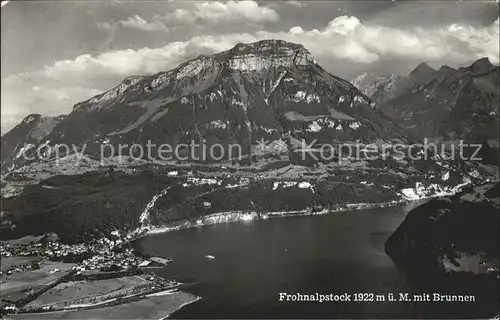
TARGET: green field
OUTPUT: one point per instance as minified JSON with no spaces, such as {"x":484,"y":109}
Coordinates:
{"x":11,"y":286}
{"x":87,"y":292}
{"x":7,"y":263}
{"x":24,"y":240}
{"x":155,"y":307}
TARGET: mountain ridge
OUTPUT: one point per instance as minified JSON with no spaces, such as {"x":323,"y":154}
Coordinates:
{"x":239,"y":95}
{"x":452,"y":105}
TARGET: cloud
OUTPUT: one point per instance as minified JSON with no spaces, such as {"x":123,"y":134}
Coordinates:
{"x":295,"y":3}
{"x":18,"y":102}
{"x":136,"y":22}
{"x":347,"y":38}
{"x":211,"y":13}
{"x":343,"y":25}
{"x":218,"y":12}
{"x":296,"y":30}
{"x":345,"y":42}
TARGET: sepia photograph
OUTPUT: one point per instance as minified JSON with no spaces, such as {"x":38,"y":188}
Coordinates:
{"x":168,"y":159}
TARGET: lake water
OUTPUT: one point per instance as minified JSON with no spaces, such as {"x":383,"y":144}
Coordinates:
{"x":255,"y":261}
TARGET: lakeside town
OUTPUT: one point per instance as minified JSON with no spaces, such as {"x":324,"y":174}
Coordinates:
{"x":40,"y":277}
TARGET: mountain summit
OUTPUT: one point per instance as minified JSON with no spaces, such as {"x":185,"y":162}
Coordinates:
{"x":482,"y":65}
{"x":421,"y":73}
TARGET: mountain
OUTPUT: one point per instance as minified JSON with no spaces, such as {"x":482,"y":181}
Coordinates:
{"x":452,"y":105}
{"x":384,"y":88}
{"x":264,"y":90}
{"x":378,"y":88}
{"x":388,"y":87}
{"x":33,"y":130}
{"x":453,"y":243}
{"x":364,"y":80}
{"x":445,"y":105}
{"x":421,"y":74}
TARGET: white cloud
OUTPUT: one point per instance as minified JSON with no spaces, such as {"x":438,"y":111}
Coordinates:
{"x":343,"y":25}
{"x":56,"y":88}
{"x":296,"y":30}
{"x":203,"y":12}
{"x":218,"y":12}
{"x":347,"y":38}
{"x":136,"y":22}
{"x":295,"y":3}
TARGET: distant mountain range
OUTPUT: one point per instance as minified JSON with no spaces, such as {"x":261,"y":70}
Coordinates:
{"x":446,"y":104}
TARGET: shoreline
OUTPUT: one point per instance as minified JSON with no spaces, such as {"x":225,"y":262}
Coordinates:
{"x":182,"y":306}
{"x":408,"y":195}
{"x":241,"y":216}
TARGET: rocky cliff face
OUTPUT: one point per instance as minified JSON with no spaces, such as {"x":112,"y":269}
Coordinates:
{"x":262,"y":90}
{"x":365,"y":80}
{"x":386,"y":88}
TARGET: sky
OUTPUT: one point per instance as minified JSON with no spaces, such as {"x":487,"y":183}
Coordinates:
{"x":57,"y":53}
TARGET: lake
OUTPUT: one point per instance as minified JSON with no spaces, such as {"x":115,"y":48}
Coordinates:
{"x":255,"y":261}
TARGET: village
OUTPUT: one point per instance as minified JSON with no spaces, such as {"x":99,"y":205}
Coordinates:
{"x":40,"y":276}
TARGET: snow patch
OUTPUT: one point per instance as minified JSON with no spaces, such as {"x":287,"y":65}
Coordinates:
{"x":298,"y":96}
{"x":354,"y":125}
{"x":204,"y":181}
{"x":445,"y":176}
{"x":313,"y":98}
{"x":314,"y":127}
{"x":29,"y":119}
{"x":213,"y":96}
{"x":474,"y":174}
{"x":359,"y":99}
{"x":217,"y":124}
{"x":284,"y":184}
{"x":238,"y":103}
